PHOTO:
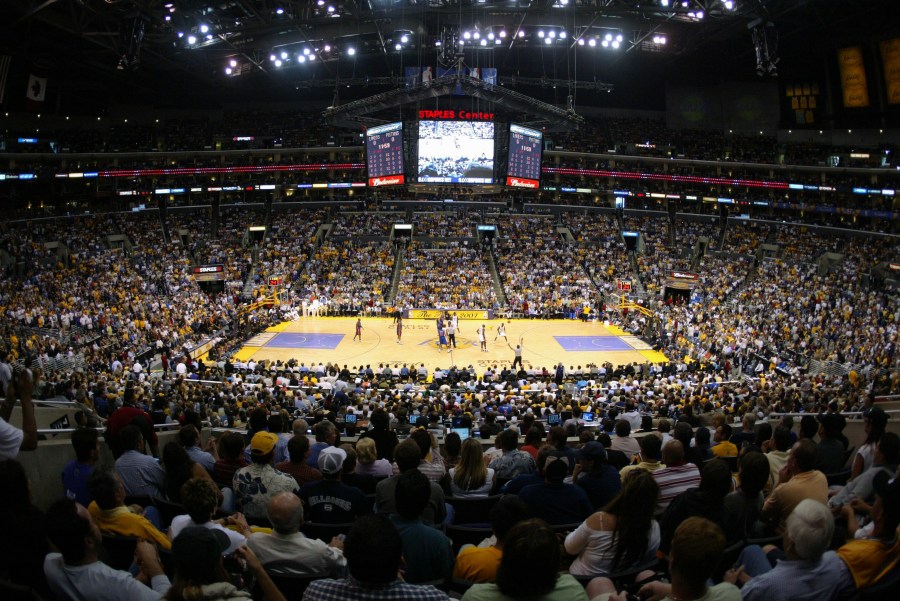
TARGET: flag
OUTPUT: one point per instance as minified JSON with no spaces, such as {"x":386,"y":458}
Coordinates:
{"x":5,"y":61}
{"x":411,"y":74}
{"x":37,"y":88}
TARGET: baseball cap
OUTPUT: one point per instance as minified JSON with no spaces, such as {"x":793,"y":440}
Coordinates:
{"x":197,"y":550}
{"x":591,"y":450}
{"x":263,"y":443}
{"x":876,"y":415}
{"x":331,"y":460}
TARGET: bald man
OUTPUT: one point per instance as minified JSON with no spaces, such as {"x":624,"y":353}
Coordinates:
{"x":676,"y":477}
{"x":287,"y":551}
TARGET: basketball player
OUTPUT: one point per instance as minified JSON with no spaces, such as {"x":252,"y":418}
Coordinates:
{"x":358,"y":330}
{"x":399,"y":327}
{"x":501,"y":333}
{"x":455,"y":321}
{"x":442,"y":339}
{"x":482,"y":338}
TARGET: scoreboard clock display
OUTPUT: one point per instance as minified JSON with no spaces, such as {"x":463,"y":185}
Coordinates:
{"x":384,"y":154}
{"x":524,"y":157}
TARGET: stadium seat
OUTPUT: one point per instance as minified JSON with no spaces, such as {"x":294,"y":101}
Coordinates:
{"x":119,"y":550}
{"x":475,"y":510}
{"x":467,"y":535}
{"x":168,"y":511}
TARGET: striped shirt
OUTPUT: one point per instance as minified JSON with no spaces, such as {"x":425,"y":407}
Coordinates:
{"x":141,"y":475}
{"x":674,"y":480}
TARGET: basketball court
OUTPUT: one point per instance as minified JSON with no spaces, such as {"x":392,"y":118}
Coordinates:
{"x":545,"y":343}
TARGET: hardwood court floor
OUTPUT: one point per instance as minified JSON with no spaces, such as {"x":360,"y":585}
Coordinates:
{"x":545,"y":343}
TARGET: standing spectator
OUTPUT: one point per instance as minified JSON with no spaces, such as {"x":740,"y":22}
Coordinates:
{"x":86,"y":442}
{"x":129,"y":414}
{"x":12,"y":439}
{"x":374,"y":550}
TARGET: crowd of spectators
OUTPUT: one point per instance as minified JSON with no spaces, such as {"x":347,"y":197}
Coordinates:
{"x":452,"y":275}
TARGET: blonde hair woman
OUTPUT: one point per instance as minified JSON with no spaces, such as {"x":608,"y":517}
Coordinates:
{"x":367,"y":461}
{"x":470,"y":478}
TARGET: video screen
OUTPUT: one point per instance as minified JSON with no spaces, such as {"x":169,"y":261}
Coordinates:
{"x":384,"y":154}
{"x":524,"y":169}
{"x":553,"y":419}
{"x":456,"y":152}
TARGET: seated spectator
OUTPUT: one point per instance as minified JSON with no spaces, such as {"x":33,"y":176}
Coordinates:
{"x":887,"y":457}
{"x":623,"y":440}
{"x":685,"y":434}
{"x":76,"y":573}
{"x":676,"y":477}
{"x":141,"y":474}
{"x":374,"y":550}
{"x":515,"y":486}
{"x":479,"y":564}
{"x":200,"y":498}
{"x":364,"y":482}
{"x":231,"y":458}
{"x":287,"y":551}
{"x":471,"y":478}
{"x":805,"y":570}
{"x":724,"y":447}
{"x":529,"y":569}
{"x":330,"y":501}
{"x":534,"y":437}
{"x":706,"y":500}
{"x":385,"y":440}
{"x":696,"y":552}
{"x":450,"y":452}
{"x":799,"y":480}
{"x":778,"y":457}
{"x":875,"y":422}
{"x":431,"y":464}
{"x":593,"y":473}
{"x":127,"y":415}
{"x":743,"y":506}
{"x":180,"y":468}
{"x":407,"y":457}
{"x":256,"y":484}
{"x":557,"y":438}
{"x":326,"y":435}
{"x":427,"y":552}
{"x":513,"y":462}
{"x":702,"y":444}
{"x":620,"y":536}
{"x":298,"y":450}
{"x":367,"y":461}
{"x":830,"y":450}
{"x":23,"y":542}
{"x":617,"y":459}
{"x":554,"y":501}
{"x":111,"y":515}
{"x":86,"y":442}
{"x":649,"y":457}
{"x":199,"y":573}
{"x":189,"y":438}
{"x":876,"y":551}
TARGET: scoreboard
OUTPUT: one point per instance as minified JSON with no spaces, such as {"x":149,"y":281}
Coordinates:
{"x":524,"y":157}
{"x":384,"y":154}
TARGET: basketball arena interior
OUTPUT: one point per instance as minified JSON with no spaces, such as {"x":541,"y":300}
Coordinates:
{"x":655,"y":242}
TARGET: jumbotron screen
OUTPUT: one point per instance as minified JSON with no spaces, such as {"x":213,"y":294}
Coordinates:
{"x":524,"y":157}
{"x":384,"y":154}
{"x":456,"y":152}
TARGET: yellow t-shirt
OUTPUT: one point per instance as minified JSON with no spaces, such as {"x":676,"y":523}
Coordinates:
{"x":478,"y":564}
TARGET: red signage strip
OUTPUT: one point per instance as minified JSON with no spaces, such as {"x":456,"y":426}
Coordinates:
{"x":453,"y":114}
{"x":521,"y":182}
{"x":388,"y":180}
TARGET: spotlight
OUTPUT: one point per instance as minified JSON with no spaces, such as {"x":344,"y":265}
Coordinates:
{"x":227,"y":70}
{"x":540,"y":33}
{"x":551,"y":33}
{"x":700,"y":14}
{"x":192,"y":39}
{"x":619,"y":38}
{"x":476,"y":35}
{"x":483,"y":42}
{"x":397,"y":46}
{"x":437,"y":43}
{"x":301,"y":58}
{"x":562,"y":35}
{"x":592,"y":42}
{"x":497,"y":42}
{"x":491,"y":35}
{"x":351,"y":51}
{"x":284,"y":55}
{"x":278,"y":62}
{"x":209,"y":36}
{"x":502,"y":33}
{"x":321,"y":2}
{"x":548,"y":41}
{"x":404,"y":38}
{"x":306,"y":51}
{"x":167,"y":18}
{"x":664,"y":3}
{"x":580,"y":41}
{"x":330,"y":9}
{"x":729,"y":5}
{"x":462,"y":43}
{"x":327,"y":48}
{"x":204,"y":28}
{"x":521,"y":34}
{"x":279,"y":11}
{"x":605,"y":43}
{"x":272,"y":57}
{"x":616,"y":44}
{"x":467,"y":35}
{"x":180,"y":34}
{"x":608,"y":37}
{"x":312,"y":57}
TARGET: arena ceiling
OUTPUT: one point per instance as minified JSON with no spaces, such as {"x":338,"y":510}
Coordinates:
{"x":204,"y":51}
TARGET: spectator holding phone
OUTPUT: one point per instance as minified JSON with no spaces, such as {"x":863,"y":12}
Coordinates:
{"x":12,"y":439}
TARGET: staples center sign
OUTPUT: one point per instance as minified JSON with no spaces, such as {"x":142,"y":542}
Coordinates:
{"x":209,"y":273}
{"x":454,"y":114}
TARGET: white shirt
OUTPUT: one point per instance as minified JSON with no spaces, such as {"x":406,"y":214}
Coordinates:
{"x":99,"y":582}
{"x":180,"y":522}
{"x":10,"y":440}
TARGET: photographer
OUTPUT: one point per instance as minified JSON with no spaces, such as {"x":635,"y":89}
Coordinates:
{"x":12,"y":439}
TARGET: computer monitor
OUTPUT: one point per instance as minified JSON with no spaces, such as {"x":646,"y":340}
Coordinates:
{"x":463,"y":432}
{"x":553,"y":419}
{"x":587,"y":417}
{"x":422,"y":421}
{"x":350,"y":418}
{"x":457,"y":422}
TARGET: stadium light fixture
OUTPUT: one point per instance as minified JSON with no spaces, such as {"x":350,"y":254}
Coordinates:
{"x":498,"y":41}
{"x":592,"y":42}
{"x":491,"y":35}
{"x":301,"y":58}
{"x":228,"y":71}
{"x":233,"y":63}
{"x":476,"y":35}
{"x":398,"y":46}
{"x":605,"y":43}
{"x":616,"y":44}
{"x":483,"y":42}
{"x":279,"y":11}
{"x":551,"y":34}
{"x":548,"y":41}
{"x":284,"y":55}
{"x":562,"y":35}
{"x":581,"y":41}
{"x":502,"y":33}
{"x":312,"y":57}
{"x":404,"y":38}
{"x":327,"y":48}
{"x":467,"y":35}
{"x":306,"y":51}
{"x":204,"y":28}
{"x":351,"y":51}
{"x":540,"y":33}
{"x":278,"y":62}
{"x":521,"y":34}
{"x":192,"y":39}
